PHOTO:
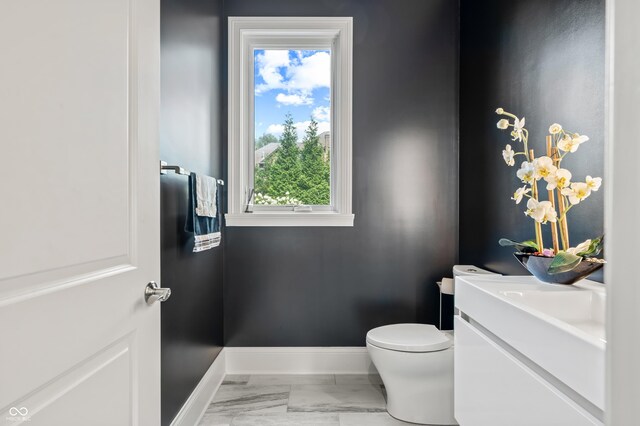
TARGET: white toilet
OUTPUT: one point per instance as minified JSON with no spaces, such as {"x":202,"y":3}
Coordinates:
{"x":415,"y":362}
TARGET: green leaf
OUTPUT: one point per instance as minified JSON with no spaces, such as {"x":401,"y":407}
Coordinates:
{"x":594,"y":248}
{"x":563,"y":262}
{"x":523,"y":247}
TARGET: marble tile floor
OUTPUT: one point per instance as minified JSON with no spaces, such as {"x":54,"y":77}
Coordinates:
{"x":299,"y":400}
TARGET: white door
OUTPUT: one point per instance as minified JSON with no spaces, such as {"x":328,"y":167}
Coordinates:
{"x":79,"y":212}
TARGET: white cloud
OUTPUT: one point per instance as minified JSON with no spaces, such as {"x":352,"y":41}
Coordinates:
{"x":269,"y":64}
{"x":312,"y":72}
{"x":275,"y":129}
{"x":301,"y":127}
{"x":301,"y":99}
{"x":301,"y":74}
{"x":321,"y":113}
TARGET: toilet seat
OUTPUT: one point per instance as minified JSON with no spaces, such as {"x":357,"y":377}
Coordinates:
{"x":409,"y":338}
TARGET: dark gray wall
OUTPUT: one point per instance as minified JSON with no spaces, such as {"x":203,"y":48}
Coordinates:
{"x":190,"y":137}
{"x":543,"y":59}
{"x":329,"y":286}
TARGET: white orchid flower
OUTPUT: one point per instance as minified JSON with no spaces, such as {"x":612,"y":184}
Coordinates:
{"x":566,"y":143}
{"x":571,"y":143}
{"x":555,"y":128}
{"x":584,"y":246}
{"x":543,"y":167}
{"x":593,"y":183}
{"x":578,"y":138}
{"x":518,"y":129}
{"x":526,"y":172}
{"x":503,"y":124}
{"x":534,"y":210}
{"x":520,"y":192}
{"x":541,"y":211}
{"x":550,"y":214}
{"x":560,"y":179}
{"x":577,"y":192}
{"x":508,"y":154}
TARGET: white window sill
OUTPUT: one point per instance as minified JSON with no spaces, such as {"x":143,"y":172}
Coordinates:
{"x":289,"y":219}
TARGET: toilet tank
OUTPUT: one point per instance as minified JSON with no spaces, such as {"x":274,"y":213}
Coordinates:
{"x":462,"y":270}
{"x":447,"y":285}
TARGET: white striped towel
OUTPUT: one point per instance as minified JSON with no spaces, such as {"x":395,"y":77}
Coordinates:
{"x":206,"y":195}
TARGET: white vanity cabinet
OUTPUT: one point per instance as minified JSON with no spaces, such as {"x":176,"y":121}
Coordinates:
{"x":515,"y":361}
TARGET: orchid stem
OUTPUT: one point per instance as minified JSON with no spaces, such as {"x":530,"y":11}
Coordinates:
{"x":554,"y":225}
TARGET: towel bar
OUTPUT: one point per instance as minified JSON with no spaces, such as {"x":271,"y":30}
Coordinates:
{"x":165,"y":168}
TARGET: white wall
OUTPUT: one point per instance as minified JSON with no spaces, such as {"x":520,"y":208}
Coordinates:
{"x":623,"y":213}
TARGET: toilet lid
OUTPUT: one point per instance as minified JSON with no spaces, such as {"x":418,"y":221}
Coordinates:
{"x":409,"y":338}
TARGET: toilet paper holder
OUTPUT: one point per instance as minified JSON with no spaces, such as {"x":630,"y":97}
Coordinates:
{"x":446,"y":286}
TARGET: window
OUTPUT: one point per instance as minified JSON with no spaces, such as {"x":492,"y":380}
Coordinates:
{"x":290,"y":122}
{"x":292,"y":127}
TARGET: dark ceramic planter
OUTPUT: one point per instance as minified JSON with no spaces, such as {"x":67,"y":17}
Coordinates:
{"x":538,"y":266}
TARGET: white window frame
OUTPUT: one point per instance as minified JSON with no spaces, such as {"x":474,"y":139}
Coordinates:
{"x":247,"y":34}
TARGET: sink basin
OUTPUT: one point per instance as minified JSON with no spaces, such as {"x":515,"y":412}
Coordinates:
{"x":584,"y":310}
{"x":557,"y":327}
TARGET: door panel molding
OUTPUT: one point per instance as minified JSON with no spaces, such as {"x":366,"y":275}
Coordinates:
{"x":119,"y":352}
{"x":25,"y":290}
{"x":109,"y":75}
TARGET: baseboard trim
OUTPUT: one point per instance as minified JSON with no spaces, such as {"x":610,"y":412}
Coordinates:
{"x":298,"y":360}
{"x":195,"y":406}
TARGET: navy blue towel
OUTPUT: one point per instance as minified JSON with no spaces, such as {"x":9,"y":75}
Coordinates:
{"x":206,"y":229}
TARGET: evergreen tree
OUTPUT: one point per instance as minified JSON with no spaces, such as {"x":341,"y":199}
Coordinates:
{"x":315,"y":172}
{"x":293,"y":175}
{"x":261,"y":176}
{"x":284,"y":171}
{"x":262,"y":171}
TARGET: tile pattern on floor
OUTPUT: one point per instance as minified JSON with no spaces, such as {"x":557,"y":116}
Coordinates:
{"x":336,"y":398}
{"x":304,"y":400}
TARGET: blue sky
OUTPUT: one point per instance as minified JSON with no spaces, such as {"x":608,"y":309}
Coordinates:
{"x":295,"y":81}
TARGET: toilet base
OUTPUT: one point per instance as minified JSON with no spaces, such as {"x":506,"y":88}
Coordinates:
{"x":419,"y":385}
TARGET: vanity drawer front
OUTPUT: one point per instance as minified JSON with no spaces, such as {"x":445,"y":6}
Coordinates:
{"x":493,"y":388}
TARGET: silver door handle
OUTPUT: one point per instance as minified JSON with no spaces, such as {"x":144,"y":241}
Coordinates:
{"x":153,"y":293}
